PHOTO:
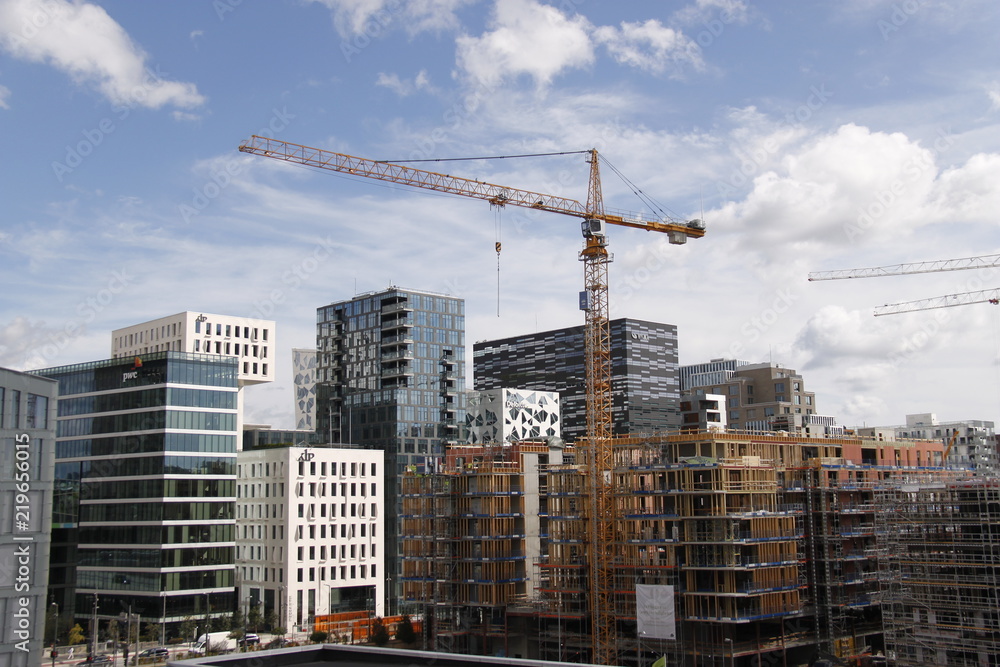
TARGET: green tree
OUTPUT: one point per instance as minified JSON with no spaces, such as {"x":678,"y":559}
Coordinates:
{"x":405,"y":632}
{"x":151,"y":632}
{"x":271,"y":620}
{"x":380,"y":634}
{"x":254,"y":617}
{"x":76,"y":635}
{"x":318,"y":636}
{"x":236,"y":621}
{"x":187,"y":628}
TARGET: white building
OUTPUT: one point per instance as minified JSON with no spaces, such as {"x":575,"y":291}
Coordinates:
{"x":309,"y":532}
{"x":511,"y":415}
{"x":250,"y":341}
{"x":973,"y":441}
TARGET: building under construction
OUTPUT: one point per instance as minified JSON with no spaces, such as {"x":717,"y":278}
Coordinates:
{"x":765,"y":544}
{"x":940,"y":570}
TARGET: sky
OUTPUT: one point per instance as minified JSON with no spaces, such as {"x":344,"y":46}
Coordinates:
{"x":809,"y":136}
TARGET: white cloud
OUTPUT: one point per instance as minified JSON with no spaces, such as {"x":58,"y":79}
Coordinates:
{"x":527,"y":38}
{"x":650,"y":46}
{"x":374,"y":17}
{"x":403,"y":87}
{"x":82,"y":40}
{"x":4,"y":96}
{"x":993,"y":93}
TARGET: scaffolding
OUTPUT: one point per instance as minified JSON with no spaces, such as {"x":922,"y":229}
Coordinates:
{"x":464,"y":547}
{"x":771,"y":543}
{"x":940,"y":575}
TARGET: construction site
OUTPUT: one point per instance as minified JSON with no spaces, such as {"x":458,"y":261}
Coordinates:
{"x":694,"y":547}
{"x":778,"y":550}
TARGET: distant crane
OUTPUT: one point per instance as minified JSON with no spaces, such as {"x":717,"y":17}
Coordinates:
{"x":947,"y":301}
{"x":597,"y":334}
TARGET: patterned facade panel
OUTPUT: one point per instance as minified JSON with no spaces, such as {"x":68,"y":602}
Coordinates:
{"x":511,"y":415}
{"x":304,"y":370}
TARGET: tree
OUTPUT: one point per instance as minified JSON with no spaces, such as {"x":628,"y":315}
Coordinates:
{"x":271,"y":620}
{"x":405,"y":632}
{"x":187,"y":628}
{"x":76,"y":635}
{"x":151,"y":632}
{"x":318,"y":636}
{"x":237,"y":621}
{"x":254,"y":617}
{"x":380,"y":634}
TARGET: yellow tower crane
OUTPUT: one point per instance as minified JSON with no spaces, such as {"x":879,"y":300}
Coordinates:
{"x":961,"y":299}
{"x":594,"y":301}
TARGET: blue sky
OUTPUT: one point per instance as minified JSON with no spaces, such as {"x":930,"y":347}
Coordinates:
{"x":809,"y":136}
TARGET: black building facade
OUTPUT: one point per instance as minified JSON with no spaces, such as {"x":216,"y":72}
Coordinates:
{"x":644,"y":377}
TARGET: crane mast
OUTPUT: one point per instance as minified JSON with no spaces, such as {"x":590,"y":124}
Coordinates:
{"x":594,"y":301}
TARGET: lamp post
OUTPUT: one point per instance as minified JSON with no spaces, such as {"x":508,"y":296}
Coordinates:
{"x":729,"y":651}
{"x":55,"y":632}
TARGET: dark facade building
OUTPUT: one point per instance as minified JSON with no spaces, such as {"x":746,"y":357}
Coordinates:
{"x":644,"y":376}
{"x":145,"y":475}
{"x":27,"y":443}
{"x":391,"y":375}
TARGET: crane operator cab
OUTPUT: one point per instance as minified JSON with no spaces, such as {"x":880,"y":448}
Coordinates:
{"x":593,"y":228}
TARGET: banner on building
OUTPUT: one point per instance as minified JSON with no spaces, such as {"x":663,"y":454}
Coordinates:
{"x":654,"y":606}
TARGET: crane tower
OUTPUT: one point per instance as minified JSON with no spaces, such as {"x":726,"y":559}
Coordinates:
{"x":594,"y":301}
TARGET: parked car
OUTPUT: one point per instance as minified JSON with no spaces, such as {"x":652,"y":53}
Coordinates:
{"x":250,"y":639}
{"x":160,"y":653}
{"x":279,"y":642}
{"x":96,"y":660}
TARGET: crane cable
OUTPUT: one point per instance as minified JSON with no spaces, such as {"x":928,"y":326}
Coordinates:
{"x":498,"y":227}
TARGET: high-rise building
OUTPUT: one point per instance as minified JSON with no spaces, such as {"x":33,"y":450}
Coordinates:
{"x":27,"y":446}
{"x":145,"y":475}
{"x":310,"y":536}
{"x":250,"y":341}
{"x":644,"y":379}
{"x":391,"y":376}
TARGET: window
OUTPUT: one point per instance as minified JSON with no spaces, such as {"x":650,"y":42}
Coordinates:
{"x":38,"y":411}
{"x":779,"y":387}
{"x":734,"y":390}
{"x":15,"y":408}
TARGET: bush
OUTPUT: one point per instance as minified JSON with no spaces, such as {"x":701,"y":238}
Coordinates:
{"x":404,"y":631}
{"x":318,"y":637}
{"x":380,"y":635}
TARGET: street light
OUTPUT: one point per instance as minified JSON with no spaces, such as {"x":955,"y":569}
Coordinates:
{"x":730,"y":651}
{"x":55,"y":633}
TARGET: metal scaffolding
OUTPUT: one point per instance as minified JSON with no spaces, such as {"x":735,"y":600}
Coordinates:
{"x":940,"y":572}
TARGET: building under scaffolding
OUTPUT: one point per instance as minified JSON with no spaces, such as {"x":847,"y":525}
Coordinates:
{"x":767,"y":540}
{"x":941,"y":570}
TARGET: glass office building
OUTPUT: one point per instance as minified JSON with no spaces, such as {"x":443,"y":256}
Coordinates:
{"x":391,"y":375}
{"x":145,"y":475}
